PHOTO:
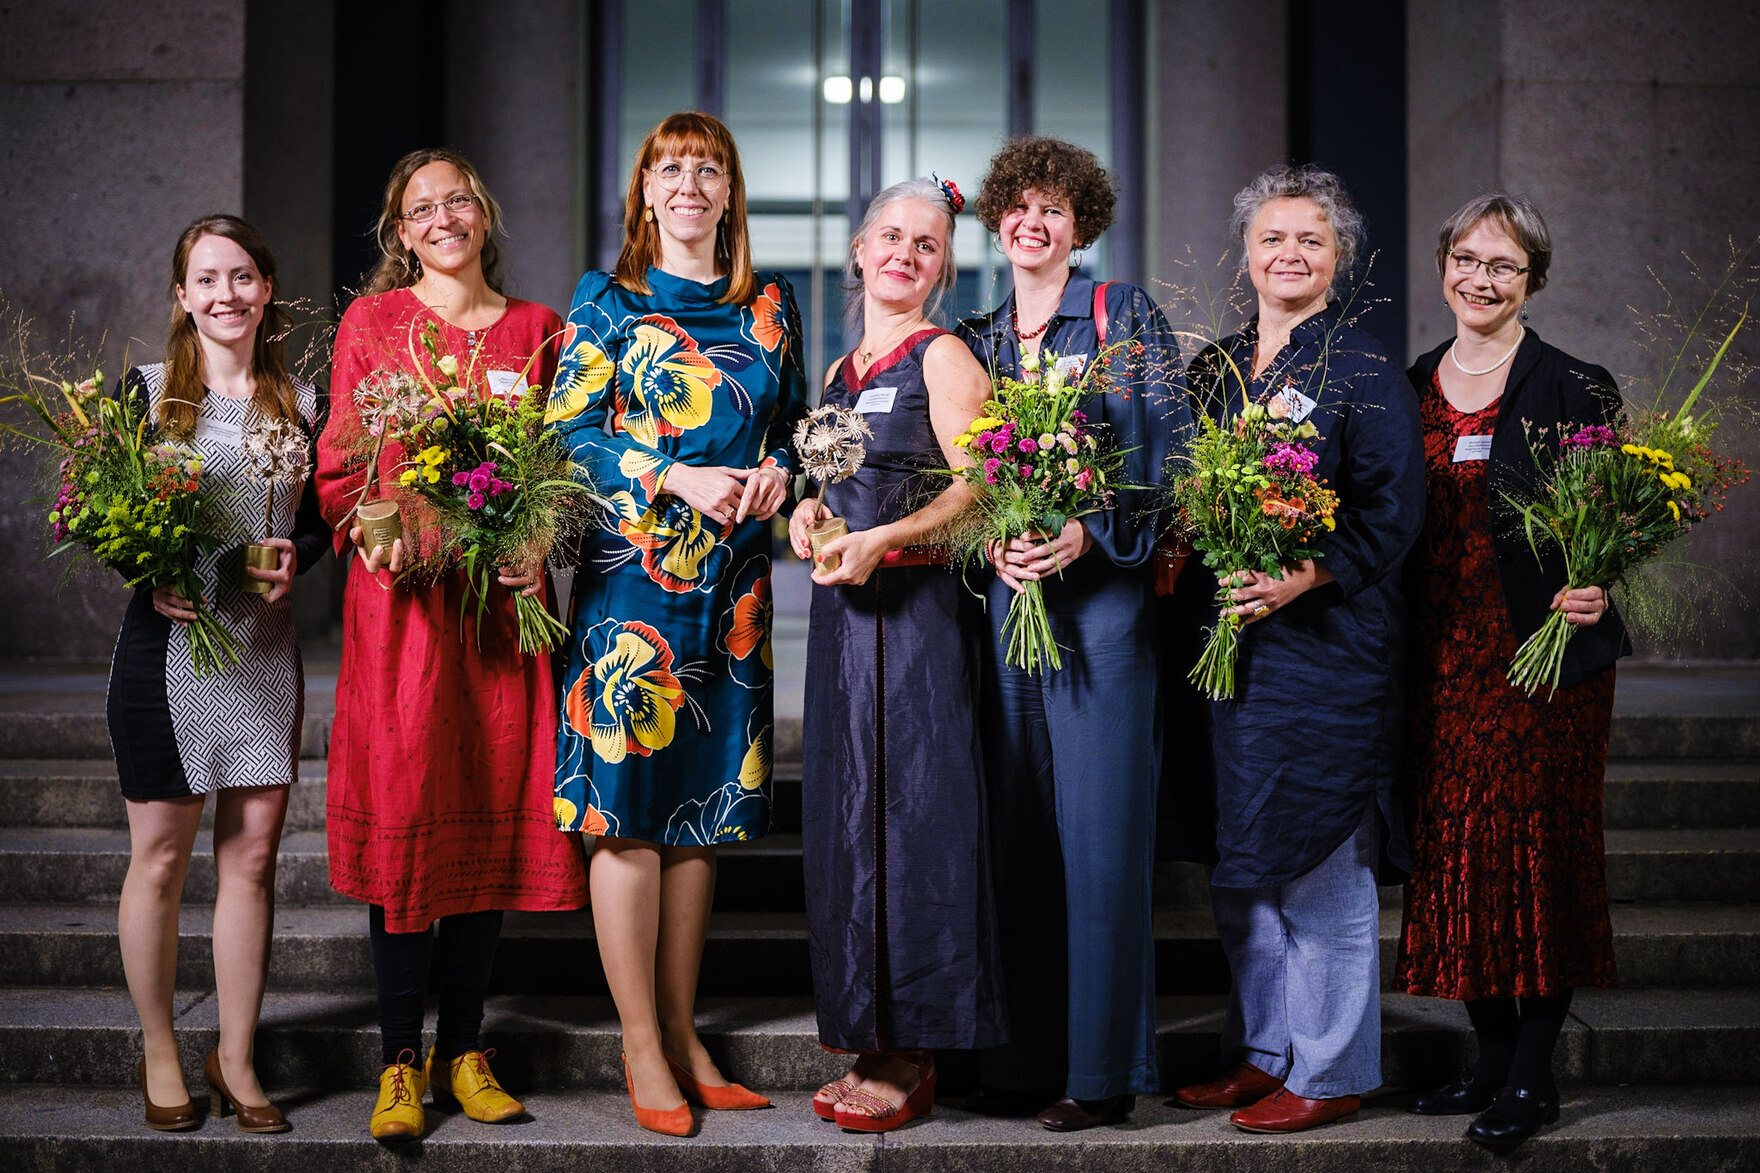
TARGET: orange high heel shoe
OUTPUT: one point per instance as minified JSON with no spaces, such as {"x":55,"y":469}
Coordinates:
{"x":668,"y":1121}
{"x":167,"y":1117}
{"x":863,"y":1111}
{"x":826,"y":1099}
{"x":733,"y":1097}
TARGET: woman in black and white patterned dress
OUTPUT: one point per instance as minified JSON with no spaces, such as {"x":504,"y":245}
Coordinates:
{"x":236,"y":733}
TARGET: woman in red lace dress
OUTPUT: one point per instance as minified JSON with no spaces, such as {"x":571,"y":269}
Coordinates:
{"x":1507,"y":906}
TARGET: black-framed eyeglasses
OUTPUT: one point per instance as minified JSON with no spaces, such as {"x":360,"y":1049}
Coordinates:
{"x":1466,"y":264}
{"x":671,"y":176}
{"x":456,"y":204}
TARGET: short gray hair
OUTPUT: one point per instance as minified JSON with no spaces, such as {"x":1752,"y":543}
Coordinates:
{"x":930,"y":193}
{"x":1322,"y":188}
{"x":1516,"y":216}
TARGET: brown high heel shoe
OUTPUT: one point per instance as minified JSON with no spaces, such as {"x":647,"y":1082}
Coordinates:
{"x":267,"y":1118}
{"x":173,"y":1119}
{"x":733,"y":1097}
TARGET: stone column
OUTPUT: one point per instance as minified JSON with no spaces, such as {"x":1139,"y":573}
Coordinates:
{"x":119,"y":124}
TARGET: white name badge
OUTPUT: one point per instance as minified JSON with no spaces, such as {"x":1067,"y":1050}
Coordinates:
{"x":1472,"y":448}
{"x":1071,"y":366}
{"x":877,"y":400}
{"x":503,"y":383}
{"x":220,"y":432}
{"x":1300,"y":406}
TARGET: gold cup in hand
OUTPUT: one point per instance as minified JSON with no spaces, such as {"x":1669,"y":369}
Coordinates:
{"x":821,"y":534}
{"x":263,"y":558}
{"x":380,"y":525}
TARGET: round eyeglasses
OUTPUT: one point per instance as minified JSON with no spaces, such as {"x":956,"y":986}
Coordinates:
{"x":1467,"y":264}
{"x":671,"y":176}
{"x":456,"y":204}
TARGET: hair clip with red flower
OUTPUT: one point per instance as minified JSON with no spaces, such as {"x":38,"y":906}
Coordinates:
{"x":950,"y":193}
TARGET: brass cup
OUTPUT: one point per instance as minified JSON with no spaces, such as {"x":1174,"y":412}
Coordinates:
{"x":380,"y":525}
{"x":819,"y":535}
{"x":263,"y":558}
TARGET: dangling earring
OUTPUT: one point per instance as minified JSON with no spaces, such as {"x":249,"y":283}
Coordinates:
{"x":647,"y":215}
{"x":1075,"y":258}
{"x":1524,"y":311}
{"x":996,"y":243}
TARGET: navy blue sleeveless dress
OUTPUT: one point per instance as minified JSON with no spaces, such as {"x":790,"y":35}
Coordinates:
{"x":901,"y":924}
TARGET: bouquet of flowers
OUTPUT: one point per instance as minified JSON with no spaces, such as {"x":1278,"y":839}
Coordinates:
{"x":1248,"y":500}
{"x":140,"y":508}
{"x":1038,"y":465}
{"x":501,"y":489}
{"x":1615,"y":496}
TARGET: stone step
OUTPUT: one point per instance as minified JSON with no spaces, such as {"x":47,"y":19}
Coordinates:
{"x":1654,"y":1129}
{"x":83,"y":792}
{"x":1655,"y":793}
{"x":64,"y":865}
{"x":324,"y":947}
{"x":331,"y":1040}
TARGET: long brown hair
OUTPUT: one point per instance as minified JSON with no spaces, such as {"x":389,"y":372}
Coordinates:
{"x":274,"y":397}
{"x":689,"y":133}
{"x":398,"y":267}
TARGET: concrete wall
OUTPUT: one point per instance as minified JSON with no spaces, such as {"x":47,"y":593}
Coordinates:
{"x":1218,"y":73}
{"x":119,"y":123}
{"x":1632,"y":125}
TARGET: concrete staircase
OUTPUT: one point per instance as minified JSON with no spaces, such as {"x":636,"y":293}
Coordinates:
{"x":1663,"y":1073}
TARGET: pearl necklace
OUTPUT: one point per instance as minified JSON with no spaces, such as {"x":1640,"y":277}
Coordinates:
{"x":1521,"y":332}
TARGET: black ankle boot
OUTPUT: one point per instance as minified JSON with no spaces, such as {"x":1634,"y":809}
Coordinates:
{"x":1466,"y":1096}
{"x":1515,"y":1115}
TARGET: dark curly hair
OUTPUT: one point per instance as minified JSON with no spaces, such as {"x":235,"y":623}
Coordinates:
{"x":1052,"y":167}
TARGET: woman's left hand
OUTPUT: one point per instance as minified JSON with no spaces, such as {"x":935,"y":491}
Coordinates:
{"x":860,"y":552}
{"x":282,"y":575}
{"x":1583,"y":606}
{"x":766,"y":490}
{"x":1034,"y":556}
{"x":527,"y":580}
{"x":1258,"y":595}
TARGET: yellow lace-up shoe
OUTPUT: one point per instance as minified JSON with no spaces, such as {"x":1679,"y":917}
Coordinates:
{"x":398,"y":1114}
{"x":470,"y":1082}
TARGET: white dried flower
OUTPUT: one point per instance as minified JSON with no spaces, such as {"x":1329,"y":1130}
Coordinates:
{"x":832,"y":443}
{"x":278,"y":450}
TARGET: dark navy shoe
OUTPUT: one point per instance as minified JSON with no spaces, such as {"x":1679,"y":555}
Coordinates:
{"x":1515,"y":1115}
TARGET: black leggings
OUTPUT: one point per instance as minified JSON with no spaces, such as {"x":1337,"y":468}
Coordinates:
{"x":1516,"y":1040}
{"x":400,"y":966}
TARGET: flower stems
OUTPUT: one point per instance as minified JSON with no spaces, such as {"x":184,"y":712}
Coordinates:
{"x":1540,"y":659}
{"x":539,"y":630}
{"x":1214,"y":671}
{"x":1026,"y":631}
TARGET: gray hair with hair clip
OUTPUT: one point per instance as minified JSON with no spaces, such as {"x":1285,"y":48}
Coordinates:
{"x":938,"y":193}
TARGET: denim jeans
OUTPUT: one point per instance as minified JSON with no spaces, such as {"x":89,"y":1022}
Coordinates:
{"x":1306,"y":957}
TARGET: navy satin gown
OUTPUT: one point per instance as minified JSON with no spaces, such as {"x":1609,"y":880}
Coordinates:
{"x":901,"y":925}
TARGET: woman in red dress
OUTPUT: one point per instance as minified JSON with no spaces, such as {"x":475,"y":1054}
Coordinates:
{"x":1507,"y":906}
{"x":444,"y":747}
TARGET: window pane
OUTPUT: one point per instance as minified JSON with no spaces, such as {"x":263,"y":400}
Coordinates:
{"x":1072,"y":91}
{"x":658,"y":68}
{"x":772,"y":85}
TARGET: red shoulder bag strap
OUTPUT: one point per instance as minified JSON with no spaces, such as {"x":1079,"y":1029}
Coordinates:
{"x":1100,"y":314}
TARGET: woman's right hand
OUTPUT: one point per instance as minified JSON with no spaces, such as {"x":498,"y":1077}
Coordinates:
{"x":374,"y":557}
{"x":173,"y":606}
{"x":805,"y":514}
{"x":713,"y":490}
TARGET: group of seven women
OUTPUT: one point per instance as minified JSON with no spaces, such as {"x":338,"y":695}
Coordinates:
{"x":979,"y":841}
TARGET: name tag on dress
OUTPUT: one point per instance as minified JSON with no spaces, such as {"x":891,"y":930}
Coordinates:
{"x":227,"y":435}
{"x":1472,"y":448}
{"x":1071,"y":366}
{"x":877,"y":400}
{"x":1298,"y":406}
{"x":503,"y":383}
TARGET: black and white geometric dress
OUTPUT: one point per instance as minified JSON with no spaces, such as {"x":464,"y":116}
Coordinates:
{"x":175,"y":734}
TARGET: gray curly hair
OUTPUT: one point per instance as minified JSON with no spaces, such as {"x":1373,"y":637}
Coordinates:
{"x":1311,"y":183}
{"x":930,"y":193}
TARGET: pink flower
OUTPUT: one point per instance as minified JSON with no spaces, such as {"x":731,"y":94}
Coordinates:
{"x":1290,"y":459}
{"x":479,"y":481}
{"x":990,"y":467}
{"x":1593,"y":436}
{"x":1084,"y":479}
{"x":1026,"y":471}
{"x":475,"y":501}
{"x":999,"y":442}
{"x":1028,"y":445}
{"x":461,"y":479}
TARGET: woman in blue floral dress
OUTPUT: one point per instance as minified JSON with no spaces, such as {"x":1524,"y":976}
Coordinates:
{"x":680,"y":383}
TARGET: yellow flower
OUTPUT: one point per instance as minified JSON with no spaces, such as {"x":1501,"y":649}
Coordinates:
{"x":1329,"y":523}
{"x":432,"y":455}
{"x":1674,"y":509}
{"x":432,"y":474}
{"x":982,"y":423}
{"x":963,"y":441}
{"x":408,"y":477}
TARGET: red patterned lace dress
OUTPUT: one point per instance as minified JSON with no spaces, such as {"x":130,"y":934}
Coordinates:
{"x":1508,"y":895}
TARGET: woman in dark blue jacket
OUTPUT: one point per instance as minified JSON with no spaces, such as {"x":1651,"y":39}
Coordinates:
{"x":1072,"y":756}
{"x":1307,"y":752}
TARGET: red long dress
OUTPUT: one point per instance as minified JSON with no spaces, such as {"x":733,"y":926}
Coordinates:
{"x":443,"y":754}
{"x":1508,"y":895}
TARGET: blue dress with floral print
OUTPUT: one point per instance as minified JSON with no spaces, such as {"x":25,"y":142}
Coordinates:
{"x":666,"y":699}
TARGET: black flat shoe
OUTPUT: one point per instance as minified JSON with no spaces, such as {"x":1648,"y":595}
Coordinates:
{"x":1466,"y":1096}
{"x":1515,"y":1115}
{"x":1005,"y":1102}
{"x":1068,"y":1115}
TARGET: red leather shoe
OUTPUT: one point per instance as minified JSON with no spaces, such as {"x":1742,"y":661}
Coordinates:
{"x":731,"y":1097}
{"x":666,"y":1121}
{"x":1240,"y":1085}
{"x":1284,"y":1111}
